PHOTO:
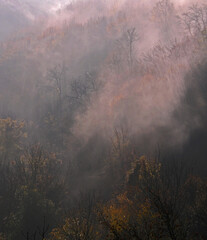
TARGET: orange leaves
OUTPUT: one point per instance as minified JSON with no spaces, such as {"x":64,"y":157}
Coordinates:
{"x":117,"y":214}
{"x":74,"y":228}
{"x":125,"y":217}
{"x":60,"y":233}
{"x":145,"y":213}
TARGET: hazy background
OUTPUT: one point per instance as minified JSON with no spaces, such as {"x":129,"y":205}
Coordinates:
{"x":89,"y":87}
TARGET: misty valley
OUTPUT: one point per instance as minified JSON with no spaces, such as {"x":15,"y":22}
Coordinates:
{"x":103,"y":120}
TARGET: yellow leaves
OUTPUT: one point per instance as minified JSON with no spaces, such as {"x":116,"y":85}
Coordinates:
{"x":57,"y":234}
{"x":143,"y":211}
{"x":124,"y":213}
{"x":134,"y":165}
{"x":123,"y":199}
{"x":148,"y":167}
{"x":9,"y":124}
{"x":73,"y":227}
{"x":117,"y":213}
{"x":39,"y":166}
{"x":117,"y":216}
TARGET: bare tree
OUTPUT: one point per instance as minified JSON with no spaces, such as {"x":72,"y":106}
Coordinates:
{"x":164,"y":15}
{"x":82,"y":88}
{"x":126,"y":45}
{"x":57,"y":76}
{"x":131,"y":37}
{"x":195,"y":20}
{"x":44,"y":230}
{"x":163,"y":10}
{"x":29,"y":236}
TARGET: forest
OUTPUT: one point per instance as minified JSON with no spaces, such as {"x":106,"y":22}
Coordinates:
{"x":103,"y":120}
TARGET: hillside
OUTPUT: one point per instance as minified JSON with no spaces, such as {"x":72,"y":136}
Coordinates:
{"x":103,"y":119}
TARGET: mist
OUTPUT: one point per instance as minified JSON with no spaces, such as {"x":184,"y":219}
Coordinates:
{"x":102,"y":111}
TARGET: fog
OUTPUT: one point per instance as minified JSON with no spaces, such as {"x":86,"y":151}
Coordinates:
{"x":92,"y":92}
{"x":137,"y":85}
